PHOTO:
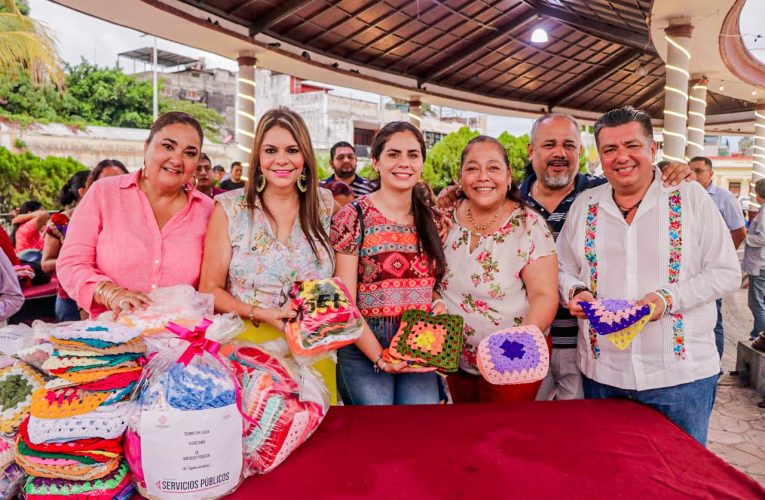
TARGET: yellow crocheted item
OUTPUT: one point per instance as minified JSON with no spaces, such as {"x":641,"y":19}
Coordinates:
{"x":92,"y":375}
{"x":623,"y":338}
{"x":65,"y":402}
{"x":17,"y":383}
{"x":56,"y":362}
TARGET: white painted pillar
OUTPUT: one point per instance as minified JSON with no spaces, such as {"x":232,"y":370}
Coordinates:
{"x":697,"y":118}
{"x":758,"y":157}
{"x":245,"y":106}
{"x":415,"y":113}
{"x":678,"y":37}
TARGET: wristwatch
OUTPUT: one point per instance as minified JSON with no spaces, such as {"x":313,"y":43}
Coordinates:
{"x":577,"y":290}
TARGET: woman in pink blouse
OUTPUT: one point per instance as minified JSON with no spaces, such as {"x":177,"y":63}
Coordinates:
{"x":133,"y":233}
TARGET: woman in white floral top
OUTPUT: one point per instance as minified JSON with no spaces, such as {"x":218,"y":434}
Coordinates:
{"x":502,"y":270}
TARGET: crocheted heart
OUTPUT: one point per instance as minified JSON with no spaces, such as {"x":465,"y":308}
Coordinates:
{"x":96,"y":329}
{"x":326,"y":318}
{"x":516,"y":355}
{"x":428,"y":340}
{"x":107,"y":488}
{"x":17,"y":383}
{"x":620,"y":320}
{"x":108,"y":422}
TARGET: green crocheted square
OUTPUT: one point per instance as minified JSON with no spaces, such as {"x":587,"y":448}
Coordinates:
{"x":429,"y":340}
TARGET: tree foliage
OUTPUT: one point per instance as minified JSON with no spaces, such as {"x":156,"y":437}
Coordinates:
{"x":26,"y":177}
{"x":96,"y":96}
{"x":442,"y":164}
{"x":27,"y":44}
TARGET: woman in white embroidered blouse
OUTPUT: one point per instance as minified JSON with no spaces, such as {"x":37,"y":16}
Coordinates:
{"x":501,"y":267}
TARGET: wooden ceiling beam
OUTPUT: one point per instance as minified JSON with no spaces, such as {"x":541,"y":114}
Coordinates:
{"x":591,"y":79}
{"x":277,"y":15}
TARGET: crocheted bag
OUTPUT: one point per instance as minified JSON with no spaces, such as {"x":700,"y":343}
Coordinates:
{"x":516,"y":355}
{"x":285,"y":412}
{"x":17,"y":384}
{"x":193,"y":388}
{"x":326,"y":318}
{"x":619,"y":320}
{"x":428,"y":340}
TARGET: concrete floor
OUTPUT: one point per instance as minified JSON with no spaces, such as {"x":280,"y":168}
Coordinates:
{"x":737,"y":428}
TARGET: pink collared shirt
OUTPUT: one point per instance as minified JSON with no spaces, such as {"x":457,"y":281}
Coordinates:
{"x":114,"y":236}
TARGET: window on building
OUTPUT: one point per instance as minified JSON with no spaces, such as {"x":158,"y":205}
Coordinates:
{"x":192,"y":94}
{"x":735,"y":188}
{"x":363,"y":136}
{"x":432,"y":138}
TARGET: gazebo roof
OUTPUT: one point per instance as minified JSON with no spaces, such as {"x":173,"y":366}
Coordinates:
{"x":600,"y":54}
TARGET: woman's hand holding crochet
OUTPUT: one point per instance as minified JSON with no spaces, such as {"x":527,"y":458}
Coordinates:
{"x":127,"y":301}
{"x":394,"y":367}
{"x":276,"y":317}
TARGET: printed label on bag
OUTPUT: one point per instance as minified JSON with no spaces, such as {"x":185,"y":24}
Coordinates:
{"x":191,"y":454}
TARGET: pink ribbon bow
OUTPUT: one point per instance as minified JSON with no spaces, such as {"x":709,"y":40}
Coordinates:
{"x":198,"y":345}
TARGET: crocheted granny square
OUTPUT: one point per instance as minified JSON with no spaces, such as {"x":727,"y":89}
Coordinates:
{"x":106,"y":488}
{"x":109,"y":383}
{"x":326,"y":318}
{"x":98,"y":449}
{"x":69,"y":401}
{"x":107,"y":422}
{"x":96,"y":329}
{"x":516,"y":355}
{"x":65,"y":469}
{"x":428,"y":340}
{"x":17,"y":384}
{"x":193,"y":387}
{"x":620,"y":320}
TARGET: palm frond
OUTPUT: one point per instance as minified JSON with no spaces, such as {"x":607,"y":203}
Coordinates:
{"x":29,"y":45}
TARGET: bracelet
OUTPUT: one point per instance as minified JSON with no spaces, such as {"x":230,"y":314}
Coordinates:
{"x":251,"y":317}
{"x":376,"y":364}
{"x":577,"y":290}
{"x":433,"y":304}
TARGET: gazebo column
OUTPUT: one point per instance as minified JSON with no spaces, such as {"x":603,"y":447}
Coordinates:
{"x":758,"y":157}
{"x":678,"y":37}
{"x":415,"y":113}
{"x":697,"y":118}
{"x":245,"y":106}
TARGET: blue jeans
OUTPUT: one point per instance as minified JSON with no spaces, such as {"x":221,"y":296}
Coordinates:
{"x":757,"y":303}
{"x":719,"y":334}
{"x":358,"y":384}
{"x":67,"y":310}
{"x":688,"y":405}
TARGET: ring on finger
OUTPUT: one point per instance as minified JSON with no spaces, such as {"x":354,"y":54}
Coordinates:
{"x":121,"y":303}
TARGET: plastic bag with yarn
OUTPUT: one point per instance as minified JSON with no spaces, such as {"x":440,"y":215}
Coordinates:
{"x":185,"y":440}
{"x":287,"y":402}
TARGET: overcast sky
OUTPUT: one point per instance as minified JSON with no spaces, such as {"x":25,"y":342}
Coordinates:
{"x":80,"y":36}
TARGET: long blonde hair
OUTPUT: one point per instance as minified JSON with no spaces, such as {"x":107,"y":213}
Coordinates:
{"x":308,"y":214}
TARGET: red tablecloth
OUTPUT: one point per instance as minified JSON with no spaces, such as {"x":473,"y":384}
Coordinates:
{"x":560,"y":449}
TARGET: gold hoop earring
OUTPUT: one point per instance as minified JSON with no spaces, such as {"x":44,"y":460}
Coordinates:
{"x":143,"y":172}
{"x":302,"y":183}
{"x":196,"y":181}
{"x":261,"y":183}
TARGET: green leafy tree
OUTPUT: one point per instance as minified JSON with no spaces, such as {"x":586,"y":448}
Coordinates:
{"x":20,"y":96}
{"x":210,"y":120}
{"x":443,"y":160}
{"x":22,"y":5}
{"x":30,"y":177}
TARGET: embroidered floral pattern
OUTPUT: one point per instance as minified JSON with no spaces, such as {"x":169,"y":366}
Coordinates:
{"x":664,"y":293}
{"x":590,"y":226}
{"x":675,"y":253}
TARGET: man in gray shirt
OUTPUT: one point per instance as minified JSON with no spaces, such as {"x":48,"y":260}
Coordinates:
{"x":754,"y":263}
{"x":734,"y":219}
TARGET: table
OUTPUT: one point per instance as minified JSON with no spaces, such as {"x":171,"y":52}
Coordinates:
{"x":555,"y":449}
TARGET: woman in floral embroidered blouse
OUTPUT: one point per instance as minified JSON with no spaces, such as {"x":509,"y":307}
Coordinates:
{"x":389,"y":254}
{"x":263,"y":237}
{"x":502,"y":270}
